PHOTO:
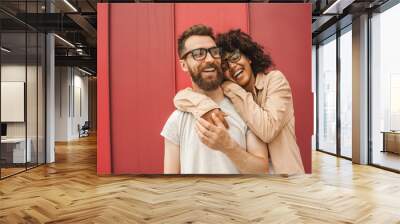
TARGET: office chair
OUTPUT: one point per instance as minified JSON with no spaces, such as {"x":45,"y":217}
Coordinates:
{"x":84,"y":130}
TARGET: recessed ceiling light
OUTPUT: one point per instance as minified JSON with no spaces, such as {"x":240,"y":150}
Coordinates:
{"x":70,"y":5}
{"x":5,"y":50}
{"x":337,"y":7}
{"x":84,"y":71}
{"x":64,"y":40}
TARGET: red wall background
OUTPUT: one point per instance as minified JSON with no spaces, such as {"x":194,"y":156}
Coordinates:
{"x":141,"y":83}
{"x":214,"y":16}
{"x":139,"y":71}
{"x":285,"y":32}
{"x":103,"y":102}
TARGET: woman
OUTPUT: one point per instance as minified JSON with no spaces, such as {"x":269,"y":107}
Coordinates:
{"x":261,"y":96}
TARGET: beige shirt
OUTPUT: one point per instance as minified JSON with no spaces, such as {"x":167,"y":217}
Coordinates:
{"x":269,"y":115}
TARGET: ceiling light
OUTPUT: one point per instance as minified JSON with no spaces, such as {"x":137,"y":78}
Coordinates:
{"x":5,"y":50}
{"x":84,"y":71}
{"x":337,"y":7}
{"x":65,"y":41}
{"x":70,"y":5}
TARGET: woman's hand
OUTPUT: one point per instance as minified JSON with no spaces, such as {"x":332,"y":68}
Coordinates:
{"x":214,"y":136}
{"x":229,"y":85}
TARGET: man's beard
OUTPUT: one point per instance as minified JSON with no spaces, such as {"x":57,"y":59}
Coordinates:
{"x":207,"y":85}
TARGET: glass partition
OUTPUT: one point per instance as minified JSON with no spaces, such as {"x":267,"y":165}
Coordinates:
{"x":327,"y":96}
{"x":14,"y":153}
{"x":385,"y":89}
{"x":22,"y":88}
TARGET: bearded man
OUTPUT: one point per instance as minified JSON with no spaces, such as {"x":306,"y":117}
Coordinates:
{"x":195,"y":146}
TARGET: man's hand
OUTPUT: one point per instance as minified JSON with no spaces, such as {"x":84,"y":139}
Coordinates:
{"x":220,"y":114}
{"x":214,"y":136}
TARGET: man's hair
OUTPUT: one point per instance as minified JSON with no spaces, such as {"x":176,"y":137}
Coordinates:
{"x":236,"y":39}
{"x":196,"y":30}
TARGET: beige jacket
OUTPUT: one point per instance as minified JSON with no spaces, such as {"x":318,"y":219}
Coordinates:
{"x":269,"y":115}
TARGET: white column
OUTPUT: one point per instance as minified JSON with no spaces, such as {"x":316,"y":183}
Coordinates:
{"x":360,"y":90}
{"x":50,"y":100}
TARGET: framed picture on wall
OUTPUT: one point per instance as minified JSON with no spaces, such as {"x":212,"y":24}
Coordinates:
{"x":12,"y":101}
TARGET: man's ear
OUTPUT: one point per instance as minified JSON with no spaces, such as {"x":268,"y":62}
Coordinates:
{"x":183,"y":65}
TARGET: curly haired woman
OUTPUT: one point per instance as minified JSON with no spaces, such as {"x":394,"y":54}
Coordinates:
{"x":260,"y":94}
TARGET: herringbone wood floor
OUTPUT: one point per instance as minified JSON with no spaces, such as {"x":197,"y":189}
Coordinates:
{"x":69,"y":191}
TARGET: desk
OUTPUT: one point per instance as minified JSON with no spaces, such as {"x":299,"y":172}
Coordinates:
{"x":15,"y":148}
{"x":391,"y":141}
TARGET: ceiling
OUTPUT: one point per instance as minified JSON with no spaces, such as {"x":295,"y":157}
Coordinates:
{"x":73,"y":20}
{"x":76,"y":21}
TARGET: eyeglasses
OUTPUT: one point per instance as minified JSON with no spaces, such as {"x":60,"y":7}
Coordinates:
{"x":231,"y":58}
{"x":201,"y":53}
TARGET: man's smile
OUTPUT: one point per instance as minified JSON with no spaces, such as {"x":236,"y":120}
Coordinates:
{"x":209,"y":70}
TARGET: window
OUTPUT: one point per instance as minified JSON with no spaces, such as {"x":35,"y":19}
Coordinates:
{"x":346,"y":93}
{"x":385,"y":88}
{"x":327,"y":96}
{"x":22,"y":78}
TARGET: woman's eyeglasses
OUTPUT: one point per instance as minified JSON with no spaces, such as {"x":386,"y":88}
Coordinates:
{"x":231,"y":58}
{"x":200,"y":54}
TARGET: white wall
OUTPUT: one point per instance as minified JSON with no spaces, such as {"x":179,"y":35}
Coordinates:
{"x":16,"y":73}
{"x":13,"y":73}
{"x":80,"y":85}
{"x":71,"y":94}
{"x":61,"y":103}
{"x":33,"y":127}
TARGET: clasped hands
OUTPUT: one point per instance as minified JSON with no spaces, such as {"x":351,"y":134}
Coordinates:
{"x":214,"y":136}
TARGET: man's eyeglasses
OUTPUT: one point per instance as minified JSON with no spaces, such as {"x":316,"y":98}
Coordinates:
{"x":231,"y":58}
{"x":201,"y":53}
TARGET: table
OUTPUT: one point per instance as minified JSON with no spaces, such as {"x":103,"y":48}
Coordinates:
{"x":15,"y":148}
{"x":391,"y":141}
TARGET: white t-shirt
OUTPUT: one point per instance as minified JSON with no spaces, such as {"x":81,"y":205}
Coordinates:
{"x":195,"y":157}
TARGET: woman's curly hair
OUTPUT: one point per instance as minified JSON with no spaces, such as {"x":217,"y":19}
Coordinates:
{"x":236,"y":39}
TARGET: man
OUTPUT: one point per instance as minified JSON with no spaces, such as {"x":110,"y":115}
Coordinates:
{"x":197,"y":146}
